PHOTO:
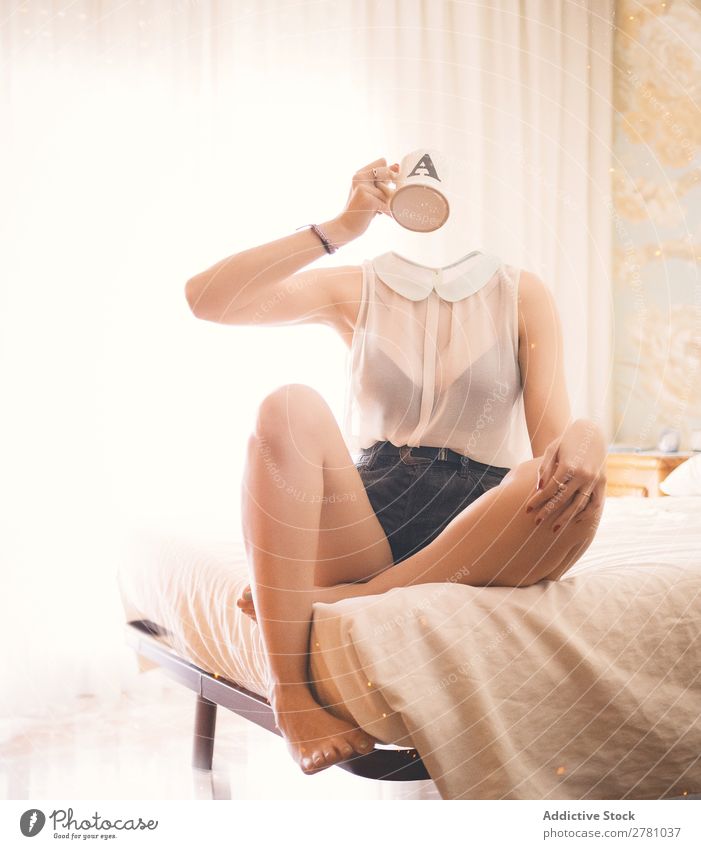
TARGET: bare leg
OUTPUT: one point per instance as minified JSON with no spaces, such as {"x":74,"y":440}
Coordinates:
{"x":302,"y":548}
{"x":296,"y":455}
{"x":492,"y":542}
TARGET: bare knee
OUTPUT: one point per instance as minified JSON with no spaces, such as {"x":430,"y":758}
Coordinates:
{"x":290,"y":408}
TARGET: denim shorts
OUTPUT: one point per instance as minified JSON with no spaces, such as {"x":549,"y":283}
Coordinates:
{"x":414,"y":498}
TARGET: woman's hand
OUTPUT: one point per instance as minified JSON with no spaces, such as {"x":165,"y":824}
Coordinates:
{"x":369,"y":195}
{"x":571,"y":478}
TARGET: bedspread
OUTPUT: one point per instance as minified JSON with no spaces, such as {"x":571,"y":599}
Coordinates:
{"x":583,"y":688}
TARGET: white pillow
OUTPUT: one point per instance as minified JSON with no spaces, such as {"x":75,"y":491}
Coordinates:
{"x":685,"y":479}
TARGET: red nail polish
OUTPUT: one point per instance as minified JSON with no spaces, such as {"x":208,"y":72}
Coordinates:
{"x":556,"y":528}
{"x":528,"y":509}
{"x":538,"y":521}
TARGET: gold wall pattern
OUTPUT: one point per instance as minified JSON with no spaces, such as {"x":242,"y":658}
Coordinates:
{"x":656,"y":195}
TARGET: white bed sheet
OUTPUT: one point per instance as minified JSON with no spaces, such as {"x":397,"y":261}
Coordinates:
{"x":583,"y":688}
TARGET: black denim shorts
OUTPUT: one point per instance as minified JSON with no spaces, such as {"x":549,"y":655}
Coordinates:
{"x":414,"y":498}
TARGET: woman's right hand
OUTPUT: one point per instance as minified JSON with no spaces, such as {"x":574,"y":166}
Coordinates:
{"x":368,"y":196}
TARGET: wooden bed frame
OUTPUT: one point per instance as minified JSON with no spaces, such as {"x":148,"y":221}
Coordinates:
{"x":391,"y":764}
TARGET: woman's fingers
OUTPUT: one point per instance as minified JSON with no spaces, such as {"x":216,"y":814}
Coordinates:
{"x":586,"y":511}
{"x":376,"y":191}
{"x":576,"y":506}
{"x":372,"y":180}
{"x":547,"y":465}
{"x":379,"y":195}
{"x":376,"y":177}
{"x":388,"y":174}
{"x":568,"y":500}
{"x":552,"y":498}
{"x":594,"y":504}
{"x":387,"y":195}
{"x":371,"y":172}
{"x":546,"y":484}
{"x":378,"y":163}
{"x":591,"y":495}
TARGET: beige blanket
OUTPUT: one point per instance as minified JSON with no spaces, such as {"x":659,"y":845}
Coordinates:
{"x":585,"y":688}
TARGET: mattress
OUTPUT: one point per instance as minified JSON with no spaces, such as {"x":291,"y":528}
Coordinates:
{"x":587,"y":687}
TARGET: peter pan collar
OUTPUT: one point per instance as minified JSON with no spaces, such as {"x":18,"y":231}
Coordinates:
{"x":452,"y":282}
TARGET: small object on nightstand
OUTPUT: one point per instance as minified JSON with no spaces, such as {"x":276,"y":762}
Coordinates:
{"x":669,"y":440}
{"x":696,"y":439}
{"x":626,"y":448}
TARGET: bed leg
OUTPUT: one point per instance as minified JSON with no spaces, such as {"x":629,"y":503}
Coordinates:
{"x":203,"y":743}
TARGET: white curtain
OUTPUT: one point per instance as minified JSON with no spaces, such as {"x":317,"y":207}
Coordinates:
{"x":142,"y":141}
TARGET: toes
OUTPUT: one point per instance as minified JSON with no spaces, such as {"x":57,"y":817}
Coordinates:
{"x":247,"y":608}
{"x":245,"y":600}
{"x":331,"y":755}
{"x":322,"y":759}
{"x":331,"y":750}
{"x":362,"y":743}
{"x":344,"y":749}
{"x":341,"y":750}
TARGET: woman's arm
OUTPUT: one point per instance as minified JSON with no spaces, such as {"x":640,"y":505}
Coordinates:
{"x":253,"y":286}
{"x":249,"y":287}
{"x":545,"y":398}
{"x":573,"y":449}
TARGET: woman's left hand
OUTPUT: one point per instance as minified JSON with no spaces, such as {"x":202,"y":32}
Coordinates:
{"x":571,"y":478}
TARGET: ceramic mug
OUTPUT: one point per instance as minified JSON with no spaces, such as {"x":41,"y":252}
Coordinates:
{"x":421,"y":200}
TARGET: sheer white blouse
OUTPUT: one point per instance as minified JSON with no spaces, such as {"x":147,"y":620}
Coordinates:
{"x":434,"y":359}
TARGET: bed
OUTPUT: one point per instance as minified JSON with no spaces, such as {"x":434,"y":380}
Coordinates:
{"x":584,"y":688}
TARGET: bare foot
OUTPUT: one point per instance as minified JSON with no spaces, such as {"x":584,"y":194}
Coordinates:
{"x":315,"y":738}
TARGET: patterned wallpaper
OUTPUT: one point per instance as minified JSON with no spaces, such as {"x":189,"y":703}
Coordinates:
{"x":656,"y":192}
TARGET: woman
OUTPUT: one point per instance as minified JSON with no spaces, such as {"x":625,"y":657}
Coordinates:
{"x":319,"y":527}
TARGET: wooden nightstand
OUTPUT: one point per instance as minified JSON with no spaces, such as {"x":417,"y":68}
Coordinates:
{"x":640,"y":472}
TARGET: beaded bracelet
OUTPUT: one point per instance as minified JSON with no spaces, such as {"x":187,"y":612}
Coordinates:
{"x":329,"y":247}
